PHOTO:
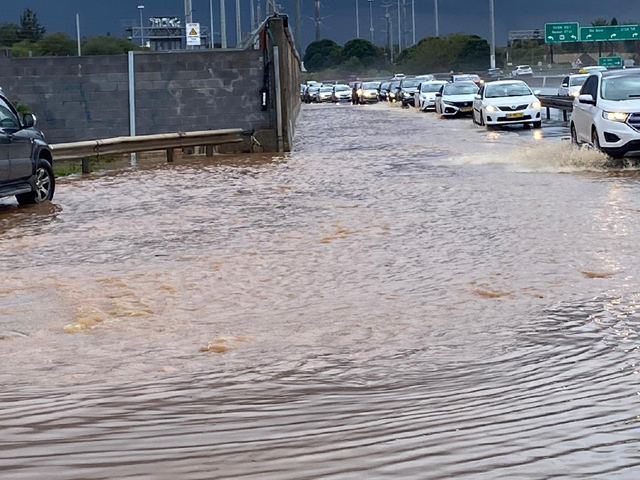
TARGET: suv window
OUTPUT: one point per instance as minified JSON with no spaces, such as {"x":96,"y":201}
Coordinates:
{"x":590,"y":87}
{"x":8,"y":119}
{"x":565,"y":82}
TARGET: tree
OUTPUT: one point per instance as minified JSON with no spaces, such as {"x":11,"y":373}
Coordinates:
{"x":25,"y":48}
{"x":9,"y":34}
{"x":107,"y":46}
{"x":600,"y":22}
{"x":614,"y":21}
{"x":57,"y":44}
{"x":457,"y":52}
{"x":30,"y":28}
{"x":322,"y":54}
{"x":363,"y":50}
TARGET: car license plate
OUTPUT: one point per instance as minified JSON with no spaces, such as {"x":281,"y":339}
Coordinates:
{"x":515,"y":115}
{"x":466,"y":109}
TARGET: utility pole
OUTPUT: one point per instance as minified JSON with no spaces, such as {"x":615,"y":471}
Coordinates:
{"x":387,"y":17}
{"x":493,"y":33}
{"x":405,"y":30}
{"x":141,"y":9}
{"x":78,"y":34}
{"x":188,"y":12}
{"x":259,"y":12}
{"x":238,"y":25}
{"x":318,"y":20}
{"x":357,"y":21}
{"x":413,"y":20}
{"x":298,"y":29}
{"x":211,"y":40}
{"x":252,"y":17}
{"x":371,"y":18}
{"x":223,"y":25}
{"x":435,"y":7}
{"x":399,"y":29}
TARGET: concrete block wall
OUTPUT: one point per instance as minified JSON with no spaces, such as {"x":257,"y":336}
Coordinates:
{"x":199,"y":90}
{"x":87,"y":98}
{"x":73,"y":98}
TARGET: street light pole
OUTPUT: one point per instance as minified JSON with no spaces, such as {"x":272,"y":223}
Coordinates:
{"x":493,"y":33}
{"x":140,"y":9}
{"x":399,"y":30}
{"x":357,"y":20}
{"x":371,"y":18}
{"x":211,"y":41}
{"x":78,"y":34}
{"x":223,"y":25}
{"x":413,"y":20}
{"x":435,"y":7}
{"x":238,"y":25}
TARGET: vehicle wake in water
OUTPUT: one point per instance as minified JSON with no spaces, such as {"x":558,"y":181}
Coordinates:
{"x":382,"y":303}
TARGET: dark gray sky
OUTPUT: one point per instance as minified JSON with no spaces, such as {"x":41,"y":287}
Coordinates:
{"x":471,"y":16}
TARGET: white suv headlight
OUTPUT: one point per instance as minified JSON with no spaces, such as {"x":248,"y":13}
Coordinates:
{"x":536,"y":105}
{"x":490,"y":108}
{"x":615,"y":116}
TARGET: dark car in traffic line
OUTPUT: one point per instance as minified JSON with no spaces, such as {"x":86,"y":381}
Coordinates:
{"x":392,"y":91}
{"x":407,"y":90}
{"x":25,"y":157}
{"x":383,"y":91}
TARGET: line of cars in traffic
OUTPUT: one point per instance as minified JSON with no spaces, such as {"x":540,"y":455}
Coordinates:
{"x":606,"y":103}
{"x":489,"y":104}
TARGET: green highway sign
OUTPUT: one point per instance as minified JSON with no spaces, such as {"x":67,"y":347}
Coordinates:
{"x":561,"y":32}
{"x":611,"y":62}
{"x":615,"y":33}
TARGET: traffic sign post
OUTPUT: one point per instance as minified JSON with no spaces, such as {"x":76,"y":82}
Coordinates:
{"x":614,"y":33}
{"x":561,"y":32}
{"x":610,"y":62}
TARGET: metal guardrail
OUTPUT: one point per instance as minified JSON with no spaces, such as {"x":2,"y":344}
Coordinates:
{"x":145,"y":143}
{"x":565,"y":104}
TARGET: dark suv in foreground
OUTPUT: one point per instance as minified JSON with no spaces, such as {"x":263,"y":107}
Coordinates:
{"x":25,"y":157}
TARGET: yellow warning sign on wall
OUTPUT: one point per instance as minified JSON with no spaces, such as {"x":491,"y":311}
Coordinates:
{"x":193,"y":34}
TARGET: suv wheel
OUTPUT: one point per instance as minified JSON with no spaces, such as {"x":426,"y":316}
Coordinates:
{"x":595,"y":140}
{"x":574,"y":135}
{"x":45,"y":185}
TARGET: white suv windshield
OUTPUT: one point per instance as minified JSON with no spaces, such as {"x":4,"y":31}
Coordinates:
{"x":507,"y":90}
{"x":621,"y":88}
{"x":342,"y":88}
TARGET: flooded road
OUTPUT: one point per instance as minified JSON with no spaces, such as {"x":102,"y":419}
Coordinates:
{"x":401,"y":297}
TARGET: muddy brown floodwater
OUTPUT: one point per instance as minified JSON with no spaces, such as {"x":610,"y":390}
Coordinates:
{"x":402,"y":297}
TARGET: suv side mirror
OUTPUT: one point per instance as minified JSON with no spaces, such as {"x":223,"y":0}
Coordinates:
{"x":438,"y":94}
{"x":478,"y":97}
{"x":537,"y":92}
{"x":586,"y":99}
{"x":29,"y":120}
{"x":565,"y":84}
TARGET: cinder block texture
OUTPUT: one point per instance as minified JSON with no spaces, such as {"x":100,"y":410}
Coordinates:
{"x":88,"y":97}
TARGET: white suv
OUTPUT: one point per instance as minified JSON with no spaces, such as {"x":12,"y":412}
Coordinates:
{"x":522,"y":71}
{"x":606,"y":115}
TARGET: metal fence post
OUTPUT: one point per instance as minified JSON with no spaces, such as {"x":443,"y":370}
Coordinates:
{"x":276,"y":72}
{"x":132,"y":102}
